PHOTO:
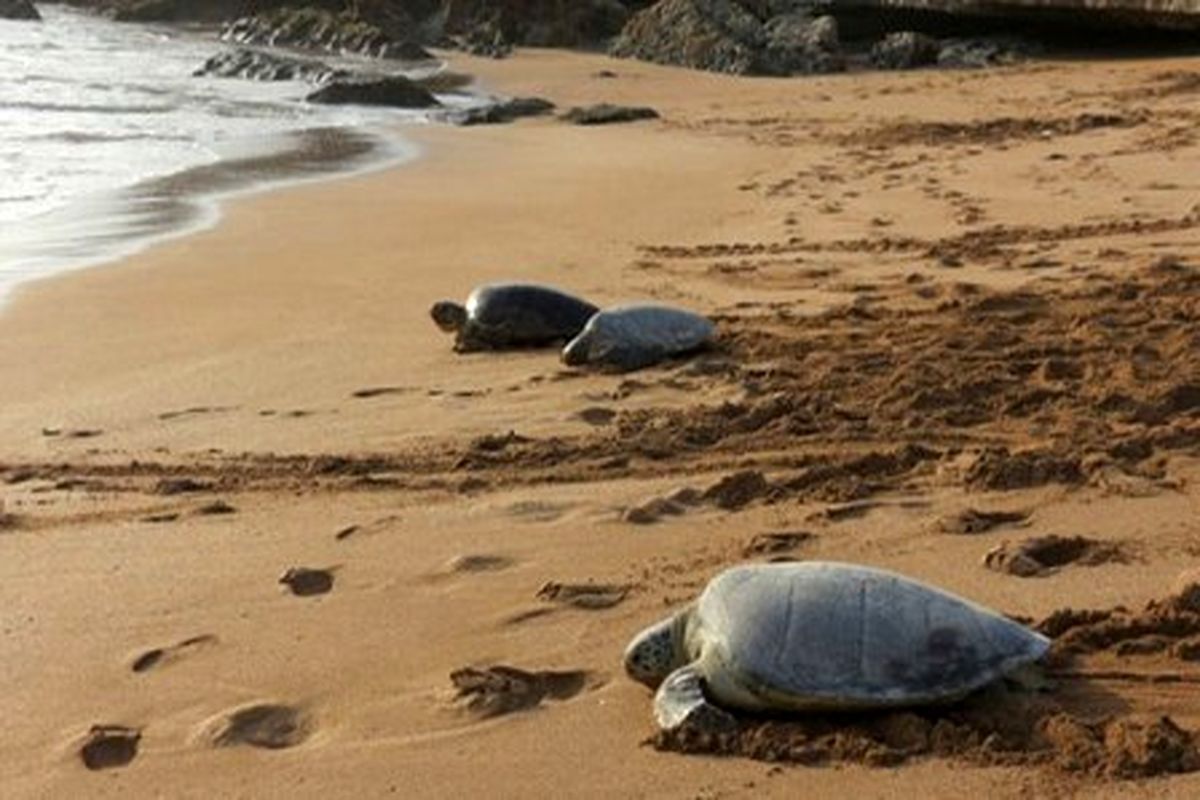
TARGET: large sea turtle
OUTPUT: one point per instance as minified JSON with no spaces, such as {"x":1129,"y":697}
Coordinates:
{"x":820,"y":636}
{"x":635,"y":336}
{"x":505,"y":316}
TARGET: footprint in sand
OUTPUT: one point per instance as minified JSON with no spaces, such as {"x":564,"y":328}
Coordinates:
{"x":1043,"y":555}
{"x":173,"y":486}
{"x":109,"y":746}
{"x":500,"y":690}
{"x":776,"y":544}
{"x":596,"y":415}
{"x":537,"y":510}
{"x":215,"y":508}
{"x":477,"y":562}
{"x":273,"y":726}
{"x":194,"y":411}
{"x":162,"y":656}
{"x":590,"y":596}
{"x":379,"y":391}
{"x":971,"y":521}
{"x":654,"y":509}
{"x":308,"y":582}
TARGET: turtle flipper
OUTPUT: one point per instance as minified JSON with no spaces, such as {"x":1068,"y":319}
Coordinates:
{"x":680,"y":703}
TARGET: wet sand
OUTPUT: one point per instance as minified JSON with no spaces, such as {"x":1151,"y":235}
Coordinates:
{"x":941,"y":296}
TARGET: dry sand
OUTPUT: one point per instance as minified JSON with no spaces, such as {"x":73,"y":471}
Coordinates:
{"x":940,"y":294}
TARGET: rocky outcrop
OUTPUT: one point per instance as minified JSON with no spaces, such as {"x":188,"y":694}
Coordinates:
{"x":318,"y":29}
{"x":187,"y":10}
{"x":905,"y":50}
{"x":715,"y":35}
{"x":724,"y":36}
{"x":799,"y":44}
{"x":1120,"y":16}
{"x":503,"y":112}
{"x":607,"y":114}
{"x":18,"y":9}
{"x":393,"y":90}
{"x":263,"y":66}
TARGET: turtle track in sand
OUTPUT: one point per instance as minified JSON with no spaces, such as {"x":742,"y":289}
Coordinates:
{"x":989,"y":390}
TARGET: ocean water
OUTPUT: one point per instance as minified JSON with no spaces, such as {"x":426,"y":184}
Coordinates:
{"x":107,"y":141}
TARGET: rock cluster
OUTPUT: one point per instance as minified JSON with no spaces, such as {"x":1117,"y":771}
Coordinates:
{"x":318,"y":29}
{"x":260,"y":65}
{"x":724,"y":36}
{"x":743,"y":37}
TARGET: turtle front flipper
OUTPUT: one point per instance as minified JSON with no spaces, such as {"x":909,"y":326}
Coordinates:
{"x":680,"y":703}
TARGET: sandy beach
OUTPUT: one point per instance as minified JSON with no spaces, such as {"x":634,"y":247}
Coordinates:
{"x":959,"y":311}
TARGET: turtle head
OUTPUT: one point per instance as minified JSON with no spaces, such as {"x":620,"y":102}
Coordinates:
{"x":448,"y":316}
{"x":657,"y":651}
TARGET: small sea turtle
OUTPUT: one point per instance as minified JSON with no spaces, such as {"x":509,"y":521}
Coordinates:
{"x":505,"y":316}
{"x":816,"y":636}
{"x":635,"y":336}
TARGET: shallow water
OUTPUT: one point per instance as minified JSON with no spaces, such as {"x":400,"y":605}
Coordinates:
{"x":108,"y":142}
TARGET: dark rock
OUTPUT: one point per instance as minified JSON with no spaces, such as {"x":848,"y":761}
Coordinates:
{"x":18,"y":9}
{"x":728,"y":36}
{"x":979,"y":53}
{"x":487,"y":39}
{"x":262,"y":66}
{"x":505,"y":111}
{"x":905,"y":50}
{"x":798,"y":43}
{"x":714,"y":35}
{"x":604,"y":114}
{"x":395,"y":90}
{"x":318,"y":29}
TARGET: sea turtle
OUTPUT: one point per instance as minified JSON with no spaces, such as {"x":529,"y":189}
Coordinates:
{"x":821,"y":636}
{"x":635,"y":336}
{"x":505,"y":316}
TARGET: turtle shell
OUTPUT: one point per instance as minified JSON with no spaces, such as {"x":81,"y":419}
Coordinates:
{"x":524,"y":314}
{"x":635,"y":336}
{"x":817,"y":635}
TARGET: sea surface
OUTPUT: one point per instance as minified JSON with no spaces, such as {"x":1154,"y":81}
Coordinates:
{"x":108,"y":142}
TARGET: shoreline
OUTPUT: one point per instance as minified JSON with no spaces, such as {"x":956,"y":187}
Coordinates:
{"x":120,"y":223}
{"x":876,"y":248}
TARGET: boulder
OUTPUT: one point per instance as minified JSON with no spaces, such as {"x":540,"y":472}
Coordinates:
{"x":714,"y":35}
{"x":905,"y":50}
{"x":605,"y":114}
{"x":798,"y":43}
{"x":502,"y":112}
{"x":18,"y":9}
{"x":982,"y":52}
{"x":318,"y":29}
{"x":262,"y":66}
{"x":393,"y":90}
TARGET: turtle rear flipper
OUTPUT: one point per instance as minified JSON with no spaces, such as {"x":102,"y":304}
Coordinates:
{"x":680,"y":703}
